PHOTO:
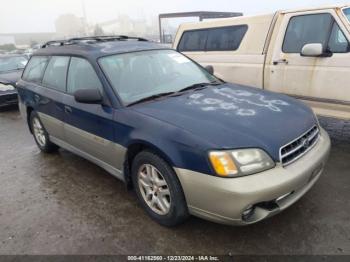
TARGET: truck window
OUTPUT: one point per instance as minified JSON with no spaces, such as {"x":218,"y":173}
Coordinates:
{"x":193,"y":40}
{"x":226,"y":38}
{"x":307,"y":29}
{"x":347,"y":13}
{"x":337,"y":41}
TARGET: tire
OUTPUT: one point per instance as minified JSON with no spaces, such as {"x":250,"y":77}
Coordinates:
{"x":40,"y":135}
{"x":169,"y":209}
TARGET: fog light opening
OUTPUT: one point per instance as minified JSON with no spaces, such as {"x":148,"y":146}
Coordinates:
{"x":284,"y":196}
{"x":248,"y":212}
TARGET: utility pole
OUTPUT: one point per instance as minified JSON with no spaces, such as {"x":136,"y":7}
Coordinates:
{"x":84,"y":17}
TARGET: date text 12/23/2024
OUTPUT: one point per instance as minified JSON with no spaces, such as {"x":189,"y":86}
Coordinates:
{"x":173,"y":258}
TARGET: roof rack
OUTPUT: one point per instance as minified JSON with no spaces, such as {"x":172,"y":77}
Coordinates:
{"x":91,"y":39}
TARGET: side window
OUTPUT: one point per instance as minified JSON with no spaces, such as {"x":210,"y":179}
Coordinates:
{"x":226,"y":38}
{"x":347,"y":13}
{"x":307,"y":29}
{"x":193,"y":41}
{"x":337,"y":41}
{"x":82,"y":75}
{"x":56,"y":73}
{"x":35,"y":68}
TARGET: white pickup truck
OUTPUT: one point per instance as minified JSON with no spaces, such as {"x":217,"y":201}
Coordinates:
{"x":302,"y":53}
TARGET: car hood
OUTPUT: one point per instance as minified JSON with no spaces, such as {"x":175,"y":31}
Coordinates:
{"x":11,"y":77}
{"x":233,"y":116}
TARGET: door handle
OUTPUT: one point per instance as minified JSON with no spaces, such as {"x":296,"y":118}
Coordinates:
{"x":68,"y":109}
{"x":281,"y":61}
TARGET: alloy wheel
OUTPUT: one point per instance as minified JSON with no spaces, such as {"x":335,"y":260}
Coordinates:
{"x":154,"y":189}
{"x":39,"y":133}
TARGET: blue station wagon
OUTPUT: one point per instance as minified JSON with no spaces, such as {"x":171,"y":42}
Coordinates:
{"x":185,"y":141}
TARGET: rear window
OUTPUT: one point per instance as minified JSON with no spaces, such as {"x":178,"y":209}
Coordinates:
{"x":193,"y":40}
{"x":35,"y":68}
{"x":226,"y":39}
{"x":213,"y":39}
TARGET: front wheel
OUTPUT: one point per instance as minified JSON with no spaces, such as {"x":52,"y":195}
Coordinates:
{"x":41,"y":136}
{"x":158,"y":189}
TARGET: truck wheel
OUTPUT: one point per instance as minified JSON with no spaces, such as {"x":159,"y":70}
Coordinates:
{"x":41,"y":136}
{"x":158,"y":189}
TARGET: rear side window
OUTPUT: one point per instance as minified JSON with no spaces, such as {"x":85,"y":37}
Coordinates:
{"x":82,"y":75}
{"x":226,"y":38}
{"x":35,"y":69}
{"x":213,"y":39}
{"x":193,"y":40}
{"x":307,"y":29}
{"x":56,"y":73}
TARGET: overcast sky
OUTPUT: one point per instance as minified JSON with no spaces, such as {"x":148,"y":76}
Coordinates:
{"x":39,"y":15}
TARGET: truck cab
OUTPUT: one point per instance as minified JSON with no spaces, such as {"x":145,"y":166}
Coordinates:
{"x":304,"y":53}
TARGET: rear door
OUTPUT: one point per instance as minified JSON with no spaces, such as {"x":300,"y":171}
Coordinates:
{"x":45,"y":84}
{"x":322,"y":82}
{"x":89,"y":128}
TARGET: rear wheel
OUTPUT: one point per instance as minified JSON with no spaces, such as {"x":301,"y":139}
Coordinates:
{"x":158,"y":189}
{"x":41,"y":136}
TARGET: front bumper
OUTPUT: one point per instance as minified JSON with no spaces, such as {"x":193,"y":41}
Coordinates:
{"x":8,"y":98}
{"x":224,"y":200}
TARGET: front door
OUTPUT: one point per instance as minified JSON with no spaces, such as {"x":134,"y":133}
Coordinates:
{"x":322,"y":82}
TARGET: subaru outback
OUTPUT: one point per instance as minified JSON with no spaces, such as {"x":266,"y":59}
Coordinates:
{"x":184,"y":140}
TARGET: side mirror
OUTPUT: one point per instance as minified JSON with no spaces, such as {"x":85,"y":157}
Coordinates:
{"x":314,"y":50}
{"x":210,"y":69}
{"x":88,"y":96}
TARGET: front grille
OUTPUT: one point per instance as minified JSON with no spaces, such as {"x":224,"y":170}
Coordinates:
{"x":299,"y":147}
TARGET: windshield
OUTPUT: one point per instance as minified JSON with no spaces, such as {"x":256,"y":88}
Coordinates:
{"x":347,"y":13}
{"x":138,"y":75}
{"x":12,"y":63}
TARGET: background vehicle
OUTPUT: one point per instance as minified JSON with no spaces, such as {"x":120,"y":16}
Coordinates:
{"x":302,"y":53}
{"x":11,"y":67}
{"x":187,"y":142}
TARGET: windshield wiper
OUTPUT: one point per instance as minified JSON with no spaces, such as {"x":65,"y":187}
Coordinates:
{"x":149,"y":98}
{"x":12,"y":69}
{"x":199,"y":86}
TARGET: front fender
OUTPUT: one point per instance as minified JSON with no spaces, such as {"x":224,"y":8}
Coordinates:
{"x":178,"y":147}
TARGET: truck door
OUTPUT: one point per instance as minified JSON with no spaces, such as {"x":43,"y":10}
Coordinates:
{"x":319,"y":78}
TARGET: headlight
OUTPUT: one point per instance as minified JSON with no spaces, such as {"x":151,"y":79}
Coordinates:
{"x":4,"y":87}
{"x":240,"y":162}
